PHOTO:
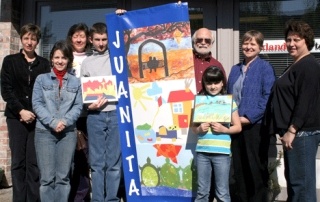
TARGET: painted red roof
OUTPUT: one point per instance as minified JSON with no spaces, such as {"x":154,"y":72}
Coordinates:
{"x":180,"y":95}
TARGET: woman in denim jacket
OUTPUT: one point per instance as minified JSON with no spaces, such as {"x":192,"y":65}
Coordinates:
{"x":57,"y":102}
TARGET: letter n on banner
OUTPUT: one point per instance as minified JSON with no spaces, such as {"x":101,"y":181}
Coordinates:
{"x":151,"y":56}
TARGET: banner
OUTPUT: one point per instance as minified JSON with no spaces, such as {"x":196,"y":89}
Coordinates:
{"x":151,"y":57}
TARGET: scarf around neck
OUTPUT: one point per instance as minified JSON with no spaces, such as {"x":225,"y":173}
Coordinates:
{"x":59,"y":75}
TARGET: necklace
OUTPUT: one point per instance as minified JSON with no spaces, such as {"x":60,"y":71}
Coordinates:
{"x":286,"y":70}
{"x":294,"y":62}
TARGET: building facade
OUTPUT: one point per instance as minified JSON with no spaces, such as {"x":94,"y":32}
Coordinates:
{"x":228,"y":20}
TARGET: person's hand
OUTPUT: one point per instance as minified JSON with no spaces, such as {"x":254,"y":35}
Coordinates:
{"x":60,"y":127}
{"x":98,"y":104}
{"x":203,"y":127}
{"x":27,"y":116}
{"x":217,"y":127}
{"x":287,"y":140}
{"x":120,"y":11}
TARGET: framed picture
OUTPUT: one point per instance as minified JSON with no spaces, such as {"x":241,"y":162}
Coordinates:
{"x":212,"y":108}
{"x":95,"y":87}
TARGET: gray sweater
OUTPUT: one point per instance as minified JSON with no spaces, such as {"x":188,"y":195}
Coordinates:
{"x":98,"y":64}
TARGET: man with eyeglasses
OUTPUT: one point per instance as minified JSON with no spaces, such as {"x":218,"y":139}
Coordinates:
{"x":202,"y":43}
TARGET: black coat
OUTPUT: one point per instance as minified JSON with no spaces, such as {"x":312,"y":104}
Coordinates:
{"x":17,"y":80}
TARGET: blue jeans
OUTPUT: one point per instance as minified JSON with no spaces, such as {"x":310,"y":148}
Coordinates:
{"x":300,"y":168}
{"x":104,"y":155}
{"x":54,"y":155}
{"x":219,"y":166}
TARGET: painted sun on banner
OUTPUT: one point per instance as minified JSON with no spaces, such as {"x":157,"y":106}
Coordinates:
{"x":152,"y":59}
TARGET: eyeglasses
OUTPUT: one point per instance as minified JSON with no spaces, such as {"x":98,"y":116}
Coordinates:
{"x":207,"y":41}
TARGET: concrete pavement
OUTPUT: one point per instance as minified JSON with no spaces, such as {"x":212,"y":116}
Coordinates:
{"x":6,"y":194}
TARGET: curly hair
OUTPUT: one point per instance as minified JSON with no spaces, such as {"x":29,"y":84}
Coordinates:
{"x":302,"y":29}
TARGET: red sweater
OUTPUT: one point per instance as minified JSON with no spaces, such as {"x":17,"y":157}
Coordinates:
{"x":201,"y":64}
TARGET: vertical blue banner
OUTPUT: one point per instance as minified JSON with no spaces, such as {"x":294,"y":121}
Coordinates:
{"x":151,"y":57}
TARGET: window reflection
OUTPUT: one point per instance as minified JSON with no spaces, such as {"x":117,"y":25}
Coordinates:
{"x":269,"y":17}
{"x":55,"y":23}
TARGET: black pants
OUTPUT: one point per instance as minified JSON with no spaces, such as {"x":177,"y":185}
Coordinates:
{"x":24,"y":169}
{"x":250,"y":164}
{"x":79,"y":178}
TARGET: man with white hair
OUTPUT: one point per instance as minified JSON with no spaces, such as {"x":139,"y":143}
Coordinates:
{"x":202,"y":43}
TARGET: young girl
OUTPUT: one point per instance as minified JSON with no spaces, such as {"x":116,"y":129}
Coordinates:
{"x":212,"y":136}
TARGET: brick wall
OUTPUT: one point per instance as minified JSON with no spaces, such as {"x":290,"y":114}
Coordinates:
{"x":9,"y":44}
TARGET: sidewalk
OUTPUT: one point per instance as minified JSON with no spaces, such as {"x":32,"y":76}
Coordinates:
{"x":6,"y":194}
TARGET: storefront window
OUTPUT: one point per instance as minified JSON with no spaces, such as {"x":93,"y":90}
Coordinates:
{"x":55,"y":23}
{"x":196,"y":18}
{"x":269,"y":17}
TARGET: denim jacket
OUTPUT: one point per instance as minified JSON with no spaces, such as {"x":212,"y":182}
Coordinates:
{"x":50,"y":107}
